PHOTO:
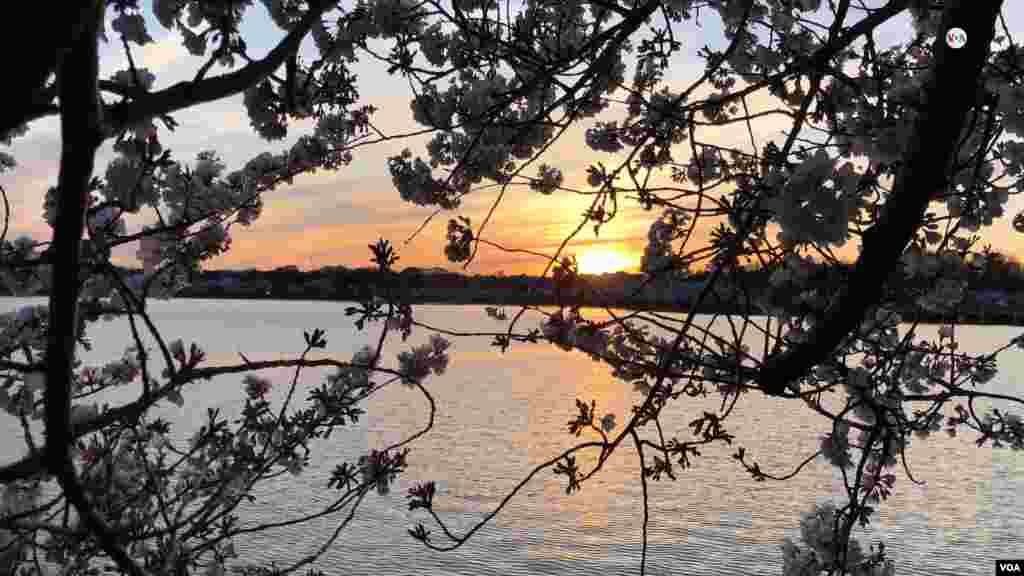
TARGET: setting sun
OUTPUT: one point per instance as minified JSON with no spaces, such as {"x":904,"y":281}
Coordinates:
{"x":600,"y":261}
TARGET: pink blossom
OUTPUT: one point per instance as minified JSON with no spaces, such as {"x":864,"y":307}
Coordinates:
{"x":89,"y":455}
{"x":88,"y":376}
{"x":876,"y":484}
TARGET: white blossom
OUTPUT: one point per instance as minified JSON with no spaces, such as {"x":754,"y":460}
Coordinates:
{"x":416,"y":365}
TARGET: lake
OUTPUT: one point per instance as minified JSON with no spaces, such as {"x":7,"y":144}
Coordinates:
{"x":501,"y":414}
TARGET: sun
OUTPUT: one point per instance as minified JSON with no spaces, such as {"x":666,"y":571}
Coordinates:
{"x":600,"y":261}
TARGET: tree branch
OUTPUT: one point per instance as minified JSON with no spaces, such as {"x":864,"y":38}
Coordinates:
{"x":949,"y":94}
{"x":185,"y":94}
{"x":26,"y":97}
{"x":130,"y":413}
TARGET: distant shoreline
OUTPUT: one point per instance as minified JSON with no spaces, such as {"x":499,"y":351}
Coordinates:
{"x":991,"y":300}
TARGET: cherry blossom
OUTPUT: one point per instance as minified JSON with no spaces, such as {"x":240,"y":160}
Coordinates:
{"x":495,"y":87}
{"x":255,"y":387}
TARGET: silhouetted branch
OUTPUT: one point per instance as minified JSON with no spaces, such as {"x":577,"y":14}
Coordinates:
{"x":186,"y":94}
{"x":949,"y":94}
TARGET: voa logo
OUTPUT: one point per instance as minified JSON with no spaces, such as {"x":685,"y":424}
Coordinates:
{"x":1005,"y":567}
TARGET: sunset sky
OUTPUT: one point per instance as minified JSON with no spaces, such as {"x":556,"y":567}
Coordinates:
{"x":329,"y":218}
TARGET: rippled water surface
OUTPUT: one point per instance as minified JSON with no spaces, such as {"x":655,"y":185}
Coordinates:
{"x":499,"y":415}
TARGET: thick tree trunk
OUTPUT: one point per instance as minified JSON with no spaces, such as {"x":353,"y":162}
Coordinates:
{"x":81,"y":135}
{"x":950,"y":93}
{"x":38,"y":55}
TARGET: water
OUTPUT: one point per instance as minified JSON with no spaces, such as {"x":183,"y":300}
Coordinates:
{"x":500,"y":415}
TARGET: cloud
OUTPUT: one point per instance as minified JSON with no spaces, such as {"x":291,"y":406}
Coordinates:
{"x":165,"y":57}
{"x":37,"y":154}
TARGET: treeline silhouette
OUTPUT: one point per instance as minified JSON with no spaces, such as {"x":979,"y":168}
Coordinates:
{"x":992,"y":295}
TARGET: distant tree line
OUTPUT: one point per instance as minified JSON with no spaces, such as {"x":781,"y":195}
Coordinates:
{"x":995,"y":285}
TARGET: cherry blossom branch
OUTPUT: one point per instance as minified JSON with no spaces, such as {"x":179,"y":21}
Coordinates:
{"x":426,"y":427}
{"x":7,"y":215}
{"x":460,"y":540}
{"x":755,"y":470}
{"x":949,"y":94}
{"x":327,"y":543}
{"x":186,"y":94}
{"x":643,"y":485}
{"x":129,"y":413}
